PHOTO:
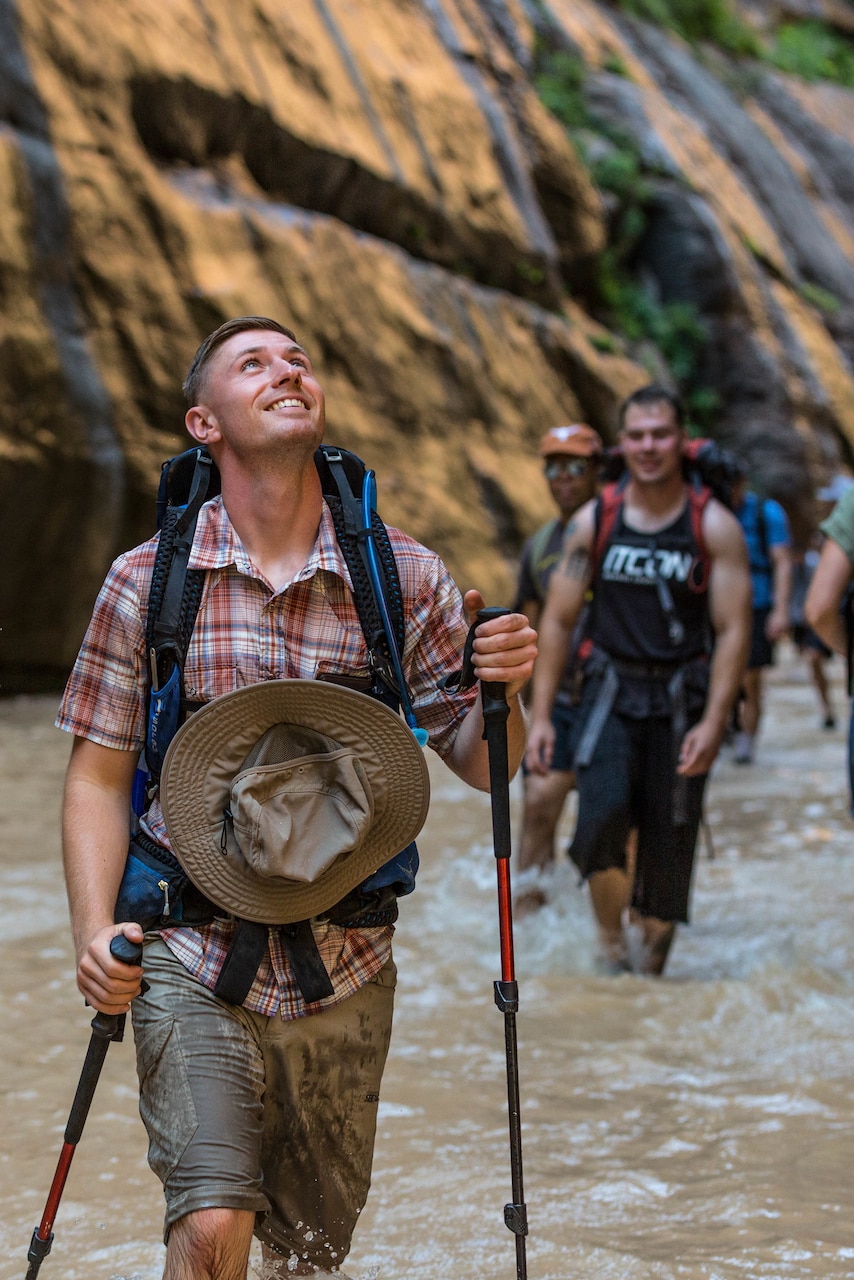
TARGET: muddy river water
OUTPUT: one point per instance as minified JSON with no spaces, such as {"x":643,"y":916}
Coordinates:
{"x":699,"y":1127}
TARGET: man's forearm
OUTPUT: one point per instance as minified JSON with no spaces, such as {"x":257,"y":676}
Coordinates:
{"x":825,"y":595}
{"x":469,"y":757}
{"x":555,"y":638}
{"x":95,"y":831}
{"x":783,"y":582}
{"x":729,"y":661}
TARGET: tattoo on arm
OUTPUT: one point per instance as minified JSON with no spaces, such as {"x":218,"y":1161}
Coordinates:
{"x":575,"y":563}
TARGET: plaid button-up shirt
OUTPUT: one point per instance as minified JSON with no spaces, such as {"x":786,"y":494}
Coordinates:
{"x":245,"y":633}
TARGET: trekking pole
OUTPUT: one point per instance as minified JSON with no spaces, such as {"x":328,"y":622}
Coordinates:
{"x":105,"y":1027}
{"x":495,"y":715}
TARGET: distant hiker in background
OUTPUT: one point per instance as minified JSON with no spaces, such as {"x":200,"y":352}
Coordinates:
{"x":829,"y":603}
{"x":571,"y":456}
{"x":668,"y":569}
{"x":769,"y":545}
{"x":810,"y":646}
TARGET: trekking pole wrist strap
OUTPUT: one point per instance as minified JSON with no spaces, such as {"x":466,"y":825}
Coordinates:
{"x":466,"y":677}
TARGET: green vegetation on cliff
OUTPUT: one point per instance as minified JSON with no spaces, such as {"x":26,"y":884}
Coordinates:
{"x":696,"y":20}
{"x":810,"y":48}
{"x":660,"y":335}
{"x":814,"y":51}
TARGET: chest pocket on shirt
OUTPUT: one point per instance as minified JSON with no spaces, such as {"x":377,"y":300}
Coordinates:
{"x":204,"y":682}
{"x":331,"y":642}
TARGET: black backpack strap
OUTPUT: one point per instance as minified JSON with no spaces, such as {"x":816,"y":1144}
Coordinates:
{"x":247,"y":951}
{"x":241,"y":963}
{"x":344,"y":502}
{"x":173,"y":603}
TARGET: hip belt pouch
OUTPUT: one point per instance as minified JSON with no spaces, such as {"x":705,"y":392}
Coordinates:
{"x":156,"y":891}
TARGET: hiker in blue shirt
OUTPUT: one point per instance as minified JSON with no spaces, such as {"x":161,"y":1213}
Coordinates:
{"x":766,"y":531}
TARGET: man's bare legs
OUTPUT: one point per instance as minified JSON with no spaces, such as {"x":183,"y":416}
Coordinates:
{"x":750,"y":715}
{"x":815,"y":662}
{"x":609,"y":894}
{"x":214,"y":1244}
{"x":210,"y":1244}
{"x":658,"y":938}
{"x":544,"y":797}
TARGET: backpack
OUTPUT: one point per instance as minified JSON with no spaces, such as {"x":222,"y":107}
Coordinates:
{"x":191,"y":479}
{"x":154,"y":888}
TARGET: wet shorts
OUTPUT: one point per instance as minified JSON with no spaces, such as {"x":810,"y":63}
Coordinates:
{"x":805,"y":638}
{"x":629,"y":782}
{"x":761,"y":648}
{"x":250,"y":1112}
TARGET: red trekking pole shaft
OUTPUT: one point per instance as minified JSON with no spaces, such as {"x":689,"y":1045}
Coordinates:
{"x":495,"y":715}
{"x":105,"y":1028}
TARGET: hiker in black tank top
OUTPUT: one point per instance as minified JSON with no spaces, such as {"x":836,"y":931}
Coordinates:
{"x":668,"y":569}
{"x":627,"y":617}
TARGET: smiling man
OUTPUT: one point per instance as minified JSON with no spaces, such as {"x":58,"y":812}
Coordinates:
{"x":282,"y":788}
{"x":667,"y":641}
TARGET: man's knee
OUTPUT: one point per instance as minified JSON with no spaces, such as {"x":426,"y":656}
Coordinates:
{"x":544,"y":796}
{"x":210,"y":1244}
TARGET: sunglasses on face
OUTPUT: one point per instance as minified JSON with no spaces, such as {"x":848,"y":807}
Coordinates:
{"x":574,"y":467}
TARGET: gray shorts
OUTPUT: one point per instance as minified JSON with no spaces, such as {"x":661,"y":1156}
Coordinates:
{"x":250,"y":1112}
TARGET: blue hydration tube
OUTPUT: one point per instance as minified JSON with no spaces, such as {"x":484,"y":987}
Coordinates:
{"x":369,"y":494}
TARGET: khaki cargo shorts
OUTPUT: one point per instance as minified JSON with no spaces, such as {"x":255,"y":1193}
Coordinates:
{"x":250,"y":1112}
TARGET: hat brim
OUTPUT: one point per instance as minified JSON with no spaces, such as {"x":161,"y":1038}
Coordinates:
{"x":570,"y":450}
{"x":215,"y":741}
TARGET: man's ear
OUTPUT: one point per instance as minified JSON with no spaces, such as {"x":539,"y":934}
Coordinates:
{"x":201,"y":424}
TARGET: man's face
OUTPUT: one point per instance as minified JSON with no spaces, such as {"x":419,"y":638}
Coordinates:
{"x":572,"y":481}
{"x":652,"y":443}
{"x":259,"y":389}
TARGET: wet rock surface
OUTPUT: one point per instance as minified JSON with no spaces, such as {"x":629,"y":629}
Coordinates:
{"x":385,"y":177}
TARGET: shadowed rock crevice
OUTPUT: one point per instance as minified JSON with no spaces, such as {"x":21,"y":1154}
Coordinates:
{"x":181,"y":123}
{"x":68,"y":480}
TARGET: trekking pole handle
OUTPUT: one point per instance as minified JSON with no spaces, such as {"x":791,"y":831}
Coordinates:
{"x":466,"y":676}
{"x":126,"y":950}
{"x":110,"y":1026}
{"x":493,"y":696}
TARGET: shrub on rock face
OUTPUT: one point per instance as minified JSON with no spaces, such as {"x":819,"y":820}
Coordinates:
{"x":814,"y":52}
{"x":696,"y":20}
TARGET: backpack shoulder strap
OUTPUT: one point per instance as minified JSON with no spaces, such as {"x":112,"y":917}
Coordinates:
{"x":608,"y":506}
{"x":537,"y":550}
{"x":376,"y":582}
{"x":699,"y":496}
{"x":173,"y":603}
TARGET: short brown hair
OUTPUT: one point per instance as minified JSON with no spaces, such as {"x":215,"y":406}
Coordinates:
{"x":654,"y":393}
{"x":196,"y":375}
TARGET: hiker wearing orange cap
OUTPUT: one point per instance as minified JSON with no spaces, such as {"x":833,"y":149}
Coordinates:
{"x":571,"y":456}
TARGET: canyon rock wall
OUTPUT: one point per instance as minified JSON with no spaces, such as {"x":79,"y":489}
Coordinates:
{"x":384,"y":178}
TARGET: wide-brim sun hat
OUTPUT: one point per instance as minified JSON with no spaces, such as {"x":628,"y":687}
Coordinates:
{"x":281,"y":797}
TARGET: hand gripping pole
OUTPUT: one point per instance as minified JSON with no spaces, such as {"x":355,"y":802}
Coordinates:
{"x":106,"y":1027}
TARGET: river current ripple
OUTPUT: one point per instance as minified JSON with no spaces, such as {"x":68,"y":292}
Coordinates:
{"x":699,"y":1127}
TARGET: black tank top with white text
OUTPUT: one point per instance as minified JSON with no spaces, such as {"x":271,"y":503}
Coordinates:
{"x":629,"y":621}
